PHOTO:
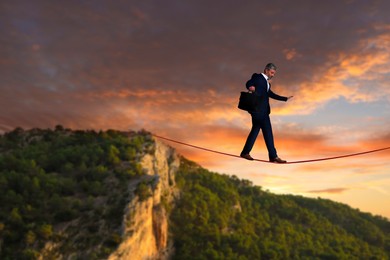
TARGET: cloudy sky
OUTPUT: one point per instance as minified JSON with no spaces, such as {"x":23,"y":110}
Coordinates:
{"x":176,"y":68}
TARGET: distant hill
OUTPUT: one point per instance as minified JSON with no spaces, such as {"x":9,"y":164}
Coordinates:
{"x":70,"y":194}
{"x":222,"y":217}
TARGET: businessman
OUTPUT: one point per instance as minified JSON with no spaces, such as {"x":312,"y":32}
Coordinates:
{"x":260,"y":85}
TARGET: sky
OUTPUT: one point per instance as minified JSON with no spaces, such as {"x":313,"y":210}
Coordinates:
{"x":176,"y":69}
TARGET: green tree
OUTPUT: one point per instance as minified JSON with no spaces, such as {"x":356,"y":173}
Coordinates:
{"x":113,"y":155}
{"x":30,"y":237}
{"x":143,"y":191}
{"x":45,"y":231}
{"x":15,"y":217}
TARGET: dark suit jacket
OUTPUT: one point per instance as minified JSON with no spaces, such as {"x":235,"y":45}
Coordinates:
{"x":260,"y":83}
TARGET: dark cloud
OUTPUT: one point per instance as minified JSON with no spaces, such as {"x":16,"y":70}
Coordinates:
{"x":54,"y":55}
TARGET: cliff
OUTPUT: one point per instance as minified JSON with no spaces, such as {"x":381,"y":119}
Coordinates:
{"x":85,"y":195}
{"x":145,"y":222}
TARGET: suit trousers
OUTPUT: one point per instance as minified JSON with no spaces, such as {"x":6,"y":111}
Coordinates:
{"x":263,"y":122}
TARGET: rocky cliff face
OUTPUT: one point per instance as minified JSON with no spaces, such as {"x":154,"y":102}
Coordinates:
{"x":145,"y":223}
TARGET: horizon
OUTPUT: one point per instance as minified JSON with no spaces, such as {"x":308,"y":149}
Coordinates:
{"x":176,"y":69}
{"x":175,"y":144}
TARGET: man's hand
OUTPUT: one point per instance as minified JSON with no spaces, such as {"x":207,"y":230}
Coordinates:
{"x":252,"y":88}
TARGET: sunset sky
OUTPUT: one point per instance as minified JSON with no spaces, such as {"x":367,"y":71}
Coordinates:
{"x":176,"y":68}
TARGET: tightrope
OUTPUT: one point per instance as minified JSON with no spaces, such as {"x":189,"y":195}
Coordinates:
{"x":265,"y":161}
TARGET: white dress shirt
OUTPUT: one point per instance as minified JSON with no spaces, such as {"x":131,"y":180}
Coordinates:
{"x":266,"y":78}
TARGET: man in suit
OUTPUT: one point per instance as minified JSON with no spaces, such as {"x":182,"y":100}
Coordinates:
{"x":259,"y":83}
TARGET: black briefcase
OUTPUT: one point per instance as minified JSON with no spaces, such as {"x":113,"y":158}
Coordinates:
{"x":248,"y":101}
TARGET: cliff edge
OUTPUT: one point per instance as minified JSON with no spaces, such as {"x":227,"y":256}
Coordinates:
{"x":145,"y":222}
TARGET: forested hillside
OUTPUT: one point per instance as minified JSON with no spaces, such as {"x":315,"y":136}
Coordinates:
{"x":64,"y":192}
{"x":56,"y":179}
{"x":222,"y":217}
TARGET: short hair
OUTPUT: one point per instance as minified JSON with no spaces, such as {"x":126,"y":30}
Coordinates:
{"x":270,"y":66}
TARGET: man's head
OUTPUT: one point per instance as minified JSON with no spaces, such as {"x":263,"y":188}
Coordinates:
{"x":270,"y":70}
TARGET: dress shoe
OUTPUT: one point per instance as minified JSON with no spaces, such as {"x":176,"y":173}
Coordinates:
{"x":246,"y":156}
{"x":278,"y":160}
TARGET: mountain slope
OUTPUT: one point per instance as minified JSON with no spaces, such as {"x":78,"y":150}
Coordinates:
{"x":222,"y":217}
{"x":124,"y":195}
{"x":64,"y":192}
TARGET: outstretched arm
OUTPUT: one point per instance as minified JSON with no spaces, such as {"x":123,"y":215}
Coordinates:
{"x":277,"y":97}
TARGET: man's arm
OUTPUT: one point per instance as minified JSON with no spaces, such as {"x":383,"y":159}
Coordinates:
{"x":277,"y":97}
{"x":250,"y":84}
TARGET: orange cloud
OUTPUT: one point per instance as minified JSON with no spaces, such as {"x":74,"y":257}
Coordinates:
{"x":291,"y":54}
{"x":368,"y":61}
{"x":331,"y":190}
